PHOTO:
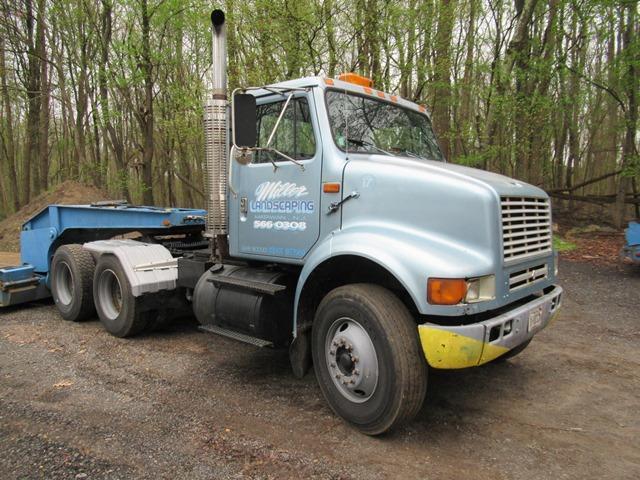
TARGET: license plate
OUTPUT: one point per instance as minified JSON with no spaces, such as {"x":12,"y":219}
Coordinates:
{"x":535,"y":319}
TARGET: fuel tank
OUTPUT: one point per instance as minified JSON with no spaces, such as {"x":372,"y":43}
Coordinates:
{"x":254,"y":301}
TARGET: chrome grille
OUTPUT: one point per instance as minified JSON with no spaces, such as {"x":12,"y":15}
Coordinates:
{"x":524,"y":278}
{"x":526,"y":227}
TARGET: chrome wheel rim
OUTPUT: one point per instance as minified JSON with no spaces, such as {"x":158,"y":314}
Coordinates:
{"x":351,"y":360}
{"x":110,"y":294}
{"x":64,"y":283}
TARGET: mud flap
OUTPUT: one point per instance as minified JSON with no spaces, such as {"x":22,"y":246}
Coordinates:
{"x":300,"y":354}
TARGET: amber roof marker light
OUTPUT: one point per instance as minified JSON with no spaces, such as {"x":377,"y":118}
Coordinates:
{"x":356,"y":79}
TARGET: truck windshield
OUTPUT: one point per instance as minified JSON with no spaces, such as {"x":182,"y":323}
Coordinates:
{"x":365,"y":125}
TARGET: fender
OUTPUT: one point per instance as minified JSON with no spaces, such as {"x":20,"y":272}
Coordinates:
{"x":149,"y":267}
{"x":410,"y":255}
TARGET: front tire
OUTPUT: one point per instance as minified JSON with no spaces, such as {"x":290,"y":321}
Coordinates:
{"x":367,"y":358}
{"x":117,"y":308}
{"x":72,"y":270}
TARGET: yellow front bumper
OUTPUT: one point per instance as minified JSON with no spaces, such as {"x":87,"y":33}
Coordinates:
{"x":462,"y":346}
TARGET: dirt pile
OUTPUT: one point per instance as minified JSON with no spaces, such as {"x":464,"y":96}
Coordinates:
{"x":69,"y":192}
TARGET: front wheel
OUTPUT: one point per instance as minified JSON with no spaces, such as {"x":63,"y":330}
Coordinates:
{"x":367,"y":358}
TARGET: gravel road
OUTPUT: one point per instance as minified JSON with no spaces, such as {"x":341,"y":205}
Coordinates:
{"x":78,"y":403}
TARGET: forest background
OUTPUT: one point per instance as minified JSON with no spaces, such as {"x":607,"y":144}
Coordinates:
{"x":110,"y":93}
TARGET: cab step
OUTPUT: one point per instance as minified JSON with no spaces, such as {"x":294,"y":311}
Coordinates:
{"x":241,"y":337}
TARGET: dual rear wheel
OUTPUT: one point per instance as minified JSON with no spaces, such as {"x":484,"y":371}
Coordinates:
{"x":81,"y":288}
{"x":72,"y":270}
{"x":119,"y":311}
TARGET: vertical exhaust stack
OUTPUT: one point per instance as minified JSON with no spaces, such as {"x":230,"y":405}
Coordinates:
{"x":216,"y":145}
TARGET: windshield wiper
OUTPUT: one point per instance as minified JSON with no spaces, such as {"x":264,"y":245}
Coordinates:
{"x":364,"y":143}
{"x":411,"y":154}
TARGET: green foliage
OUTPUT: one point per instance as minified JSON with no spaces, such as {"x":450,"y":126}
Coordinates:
{"x":544,"y":94}
{"x":561,"y":245}
{"x":472,"y":160}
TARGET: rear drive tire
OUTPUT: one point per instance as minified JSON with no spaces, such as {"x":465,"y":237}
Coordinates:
{"x":118,"y":309}
{"x":367,"y":357}
{"x":72,"y":270}
{"x":512,"y":353}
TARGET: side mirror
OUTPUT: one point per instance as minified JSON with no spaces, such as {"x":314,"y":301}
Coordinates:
{"x":245,"y":116}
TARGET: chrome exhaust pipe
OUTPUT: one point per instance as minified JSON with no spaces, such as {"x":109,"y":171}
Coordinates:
{"x":216,"y":144}
{"x":219,"y":52}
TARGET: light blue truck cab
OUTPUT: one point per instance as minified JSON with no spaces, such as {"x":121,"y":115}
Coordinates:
{"x":390,"y":249}
{"x":394,"y":208}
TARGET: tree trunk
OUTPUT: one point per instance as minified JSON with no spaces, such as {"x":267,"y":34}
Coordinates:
{"x":32,"y":140}
{"x":115,"y":141}
{"x":146,"y":115}
{"x":331,"y":38}
{"x":10,"y":139}
{"x":81,"y":113}
{"x":466,"y":116}
{"x":442,"y":75}
{"x":43,"y":144}
{"x":631,"y":56}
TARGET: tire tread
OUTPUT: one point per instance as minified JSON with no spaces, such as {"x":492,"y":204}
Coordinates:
{"x":85,"y":265}
{"x":401,"y":332}
{"x":135,"y":320}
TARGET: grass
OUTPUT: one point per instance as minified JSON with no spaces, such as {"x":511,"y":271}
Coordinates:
{"x":561,"y":245}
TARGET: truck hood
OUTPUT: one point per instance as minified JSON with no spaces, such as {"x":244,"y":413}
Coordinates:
{"x":452,"y":208}
{"x":423,"y":219}
{"x":501,"y":184}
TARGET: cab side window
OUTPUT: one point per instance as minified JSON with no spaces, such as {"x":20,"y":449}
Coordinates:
{"x":294,"y":136}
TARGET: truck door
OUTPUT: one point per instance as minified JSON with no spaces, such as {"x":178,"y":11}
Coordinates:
{"x":278,"y":200}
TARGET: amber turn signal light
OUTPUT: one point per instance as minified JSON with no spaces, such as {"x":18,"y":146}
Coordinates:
{"x":446,"y":291}
{"x":331,"y":187}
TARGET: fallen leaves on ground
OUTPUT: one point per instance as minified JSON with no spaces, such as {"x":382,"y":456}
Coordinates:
{"x":601,"y":248}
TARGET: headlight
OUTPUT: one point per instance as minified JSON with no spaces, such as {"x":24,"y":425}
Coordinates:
{"x":481,"y":289}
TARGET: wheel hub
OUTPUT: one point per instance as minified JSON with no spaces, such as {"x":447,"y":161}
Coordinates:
{"x":352,"y":360}
{"x":345,"y":361}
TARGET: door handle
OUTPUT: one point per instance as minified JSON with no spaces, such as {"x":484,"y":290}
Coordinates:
{"x":335,"y":206}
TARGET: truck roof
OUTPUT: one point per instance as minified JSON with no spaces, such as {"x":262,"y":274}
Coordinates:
{"x":332,"y":83}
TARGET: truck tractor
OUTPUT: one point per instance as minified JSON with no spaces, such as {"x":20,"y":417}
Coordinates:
{"x":335,"y":228}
